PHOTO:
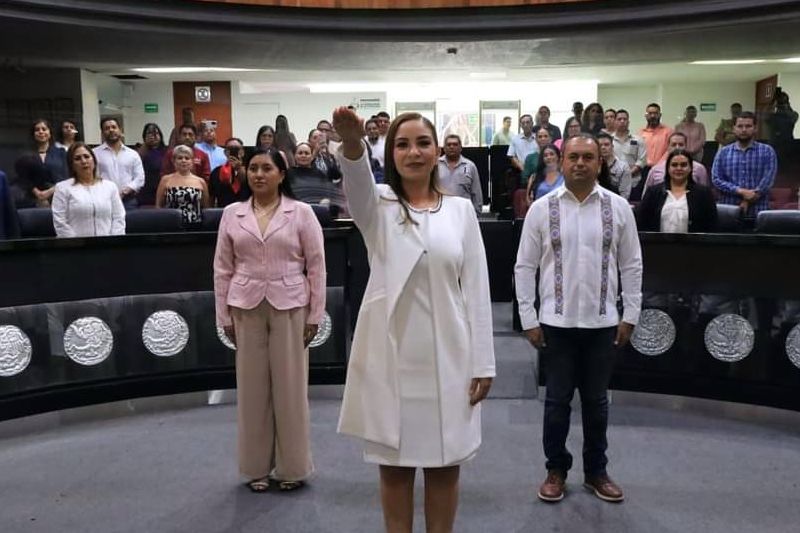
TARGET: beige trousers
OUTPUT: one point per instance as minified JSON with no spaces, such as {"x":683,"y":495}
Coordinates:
{"x":272,"y":393}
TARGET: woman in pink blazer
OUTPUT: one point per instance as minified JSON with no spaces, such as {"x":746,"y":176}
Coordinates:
{"x":269,"y":286}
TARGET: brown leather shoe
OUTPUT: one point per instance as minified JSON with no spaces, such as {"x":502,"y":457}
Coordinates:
{"x":604,"y":488}
{"x":552,"y":490}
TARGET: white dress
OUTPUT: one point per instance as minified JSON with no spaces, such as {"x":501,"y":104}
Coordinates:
{"x":421,"y":442}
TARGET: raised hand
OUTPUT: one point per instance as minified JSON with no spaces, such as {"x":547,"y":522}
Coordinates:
{"x":350,"y":128}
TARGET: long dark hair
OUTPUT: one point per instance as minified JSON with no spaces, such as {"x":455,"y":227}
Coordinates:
{"x":569,"y":121}
{"x":284,"y":188}
{"x":150,"y":125}
{"x":587,"y":125}
{"x":283,"y":136}
{"x":604,"y":179}
{"x":78,"y":136}
{"x":689,"y":179}
{"x":541,"y":168}
{"x":33,"y":132}
{"x":261,"y":130}
{"x":392,"y":176}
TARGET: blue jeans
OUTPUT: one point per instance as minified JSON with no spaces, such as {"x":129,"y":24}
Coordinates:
{"x":583,"y":359}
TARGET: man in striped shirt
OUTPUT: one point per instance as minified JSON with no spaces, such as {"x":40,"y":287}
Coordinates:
{"x":745,"y":170}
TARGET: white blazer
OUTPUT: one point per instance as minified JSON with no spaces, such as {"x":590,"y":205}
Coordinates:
{"x":462,"y":317}
{"x":87,"y":210}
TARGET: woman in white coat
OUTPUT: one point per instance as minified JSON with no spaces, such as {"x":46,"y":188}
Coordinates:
{"x":422,"y":357}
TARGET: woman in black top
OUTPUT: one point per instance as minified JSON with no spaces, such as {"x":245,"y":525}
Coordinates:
{"x":700,"y":208}
{"x":152,"y":154}
{"x":39,"y":170}
{"x":592,"y":121}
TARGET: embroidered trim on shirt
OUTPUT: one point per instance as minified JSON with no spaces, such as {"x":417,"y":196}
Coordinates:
{"x":554,"y":210}
{"x":607,"y":216}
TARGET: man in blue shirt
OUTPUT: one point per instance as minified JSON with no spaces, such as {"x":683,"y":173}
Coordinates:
{"x":745,"y":170}
{"x":216,"y":154}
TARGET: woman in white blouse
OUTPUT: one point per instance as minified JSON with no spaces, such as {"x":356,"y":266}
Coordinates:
{"x":86,"y":205}
{"x":679,"y":204}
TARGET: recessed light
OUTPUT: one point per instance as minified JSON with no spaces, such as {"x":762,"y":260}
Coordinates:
{"x":729,"y":62}
{"x":790,"y":60}
{"x":185,"y":70}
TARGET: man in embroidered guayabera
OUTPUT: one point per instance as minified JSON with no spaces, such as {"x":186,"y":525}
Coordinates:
{"x":582,"y":239}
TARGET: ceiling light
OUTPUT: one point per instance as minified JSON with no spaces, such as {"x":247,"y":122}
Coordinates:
{"x":729,"y":62}
{"x":185,"y":70}
{"x":790,"y":60}
{"x":352,"y":87}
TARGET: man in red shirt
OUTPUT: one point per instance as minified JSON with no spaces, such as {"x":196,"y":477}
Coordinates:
{"x":187,"y":134}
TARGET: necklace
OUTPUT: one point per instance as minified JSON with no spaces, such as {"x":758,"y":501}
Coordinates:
{"x":261,"y":212}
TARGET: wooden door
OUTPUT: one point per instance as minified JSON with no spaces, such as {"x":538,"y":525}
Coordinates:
{"x":765,"y":95}
{"x":217,"y":108}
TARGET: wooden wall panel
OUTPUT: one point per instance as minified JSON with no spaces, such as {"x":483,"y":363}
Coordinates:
{"x":392,"y":4}
{"x":765,"y":93}
{"x":219,"y":108}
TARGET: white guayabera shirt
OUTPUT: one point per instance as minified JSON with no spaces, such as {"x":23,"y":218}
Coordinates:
{"x":581,"y":250}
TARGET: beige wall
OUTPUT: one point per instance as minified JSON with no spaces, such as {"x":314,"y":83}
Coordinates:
{"x":248,"y":111}
{"x":304,"y":109}
{"x":301,"y":108}
{"x":136,"y":94}
{"x":632,"y":98}
{"x":128,"y":99}
{"x":674,"y":98}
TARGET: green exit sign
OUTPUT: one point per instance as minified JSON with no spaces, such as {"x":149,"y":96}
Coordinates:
{"x":708,"y":107}
{"x":151,"y":108}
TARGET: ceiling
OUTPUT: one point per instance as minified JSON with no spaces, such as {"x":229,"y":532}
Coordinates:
{"x":605,"y":48}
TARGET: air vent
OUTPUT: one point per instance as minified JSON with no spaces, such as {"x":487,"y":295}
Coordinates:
{"x":128,"y":77}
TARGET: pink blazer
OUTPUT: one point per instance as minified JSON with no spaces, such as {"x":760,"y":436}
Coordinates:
{"x":249,"y":267}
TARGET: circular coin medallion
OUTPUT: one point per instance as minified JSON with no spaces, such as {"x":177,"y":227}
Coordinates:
{"x":324,"y":331}
{"x":15,"y":351}
{"x":729,"y":338}
{"x":793,"y":346}
{"x":654,"y":334}
{"x":88,"y":341}
{"x":224,"y":339}
{"x":165,"y":333}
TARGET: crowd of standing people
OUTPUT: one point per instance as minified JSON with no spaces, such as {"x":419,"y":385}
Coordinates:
{"x":742,"y":173}
{"x":422,"y":357}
